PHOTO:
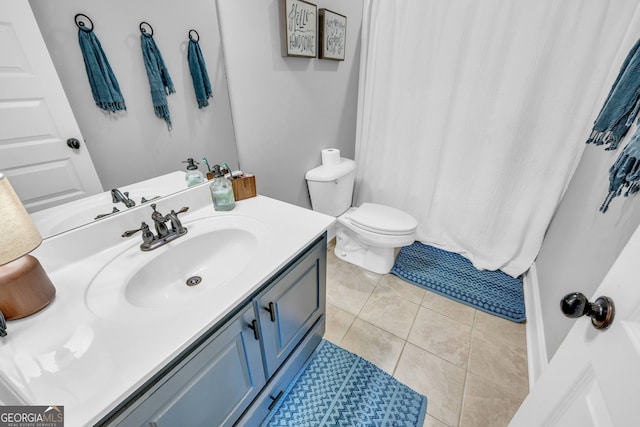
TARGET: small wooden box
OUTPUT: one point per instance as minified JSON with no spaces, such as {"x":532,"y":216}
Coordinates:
{"x":244,"y":187}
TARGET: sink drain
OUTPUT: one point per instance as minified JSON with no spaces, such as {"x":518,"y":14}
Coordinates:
{"x":194,"y":280}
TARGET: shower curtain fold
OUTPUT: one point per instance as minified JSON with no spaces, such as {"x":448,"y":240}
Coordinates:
{"x":477,"y":113}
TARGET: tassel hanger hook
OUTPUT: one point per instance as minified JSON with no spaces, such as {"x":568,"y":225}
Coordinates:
{"x":80,"y":22}
{"x":192,"y":38}
{"x":146,"y":29}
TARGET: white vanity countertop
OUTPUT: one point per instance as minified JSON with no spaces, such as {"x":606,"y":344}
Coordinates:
{"x":69,"y":355}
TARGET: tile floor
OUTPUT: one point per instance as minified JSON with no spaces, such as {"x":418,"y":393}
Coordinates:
{"x":471,"y":366}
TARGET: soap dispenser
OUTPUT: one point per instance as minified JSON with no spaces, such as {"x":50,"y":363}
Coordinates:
{"x":221,"y":191}
{"x":193,"y":176}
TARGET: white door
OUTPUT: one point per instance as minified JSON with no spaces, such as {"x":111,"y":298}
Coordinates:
{"x":36,"y":120}
{"x":594,"y":377}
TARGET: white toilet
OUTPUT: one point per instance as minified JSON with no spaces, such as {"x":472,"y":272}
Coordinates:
{"x":367,"y":235}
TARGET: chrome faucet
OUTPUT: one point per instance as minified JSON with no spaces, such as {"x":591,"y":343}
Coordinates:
{"x":164,"y":234}
{"x":3,"y":326}
{"x":118,"y":196}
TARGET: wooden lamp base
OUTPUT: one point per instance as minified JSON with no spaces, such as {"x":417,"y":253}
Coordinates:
{"x":25,"y":288}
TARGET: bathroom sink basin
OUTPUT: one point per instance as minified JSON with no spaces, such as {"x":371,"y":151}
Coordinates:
{"x":202,"y":262}
{"x":193,"y":267}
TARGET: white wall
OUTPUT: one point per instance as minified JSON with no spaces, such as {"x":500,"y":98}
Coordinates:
{"x":137,"y":144}
{"x":581,"y":243}
{"x":286,"y":110}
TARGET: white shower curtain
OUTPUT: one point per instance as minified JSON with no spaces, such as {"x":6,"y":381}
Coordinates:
{"x":473,"y":114}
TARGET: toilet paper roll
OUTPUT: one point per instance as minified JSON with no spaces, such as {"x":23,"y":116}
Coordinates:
{"x":330,"y":157}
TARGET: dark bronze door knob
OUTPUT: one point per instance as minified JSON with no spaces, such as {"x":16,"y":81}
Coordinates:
{"x":73,"y":143}
{"x":601,"y":311}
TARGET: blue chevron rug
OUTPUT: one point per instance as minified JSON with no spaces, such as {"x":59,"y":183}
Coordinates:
{"x":454,"y":277}
{"x":338,"y":388}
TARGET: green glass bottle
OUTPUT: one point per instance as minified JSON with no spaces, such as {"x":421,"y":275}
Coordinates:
{"x":221,"y":191}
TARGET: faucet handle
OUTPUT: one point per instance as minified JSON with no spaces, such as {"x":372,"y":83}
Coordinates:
{"x":148,"y":239}
{"x":143,"y":227}
{"x":115,"y":210}
{"x":128,"y":202}
{"x":145,"y":200}
{"x":176,"y":224}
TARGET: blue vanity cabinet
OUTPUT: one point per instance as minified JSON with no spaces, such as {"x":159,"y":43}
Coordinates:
{"x":212,"y":386}
{"x":289,"y":308}
{"x":237,"y":374}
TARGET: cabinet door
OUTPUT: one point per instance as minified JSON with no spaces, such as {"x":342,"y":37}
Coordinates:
{"x":213,"y":387}
{"x":290,"y":307}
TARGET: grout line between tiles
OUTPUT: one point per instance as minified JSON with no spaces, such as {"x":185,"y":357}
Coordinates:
{"x":467,"y":371}
{"x":405,"y":341}
{"x":347,"y":330}
{"x":393,"y":373}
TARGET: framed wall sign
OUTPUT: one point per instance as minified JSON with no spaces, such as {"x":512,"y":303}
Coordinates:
{"x":333,"y":35}
{"x":299,"y":28}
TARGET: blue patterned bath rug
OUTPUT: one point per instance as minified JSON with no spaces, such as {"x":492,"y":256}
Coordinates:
{"x":453,"y":276}
{"x":338,"y":388}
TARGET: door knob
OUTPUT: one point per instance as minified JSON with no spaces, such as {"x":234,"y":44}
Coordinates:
{"x":73,"y":143}
{"x":601,"y":311}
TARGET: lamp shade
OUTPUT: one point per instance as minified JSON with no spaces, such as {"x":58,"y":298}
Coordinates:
{"x":18,"y":235}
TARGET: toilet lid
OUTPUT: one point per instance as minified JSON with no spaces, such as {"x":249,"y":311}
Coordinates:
{"x":383,"y":219}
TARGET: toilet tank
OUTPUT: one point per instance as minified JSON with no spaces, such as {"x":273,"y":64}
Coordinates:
{"x":331,"y":187}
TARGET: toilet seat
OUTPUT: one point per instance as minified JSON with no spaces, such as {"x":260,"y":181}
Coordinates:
{"x":382,"y":219}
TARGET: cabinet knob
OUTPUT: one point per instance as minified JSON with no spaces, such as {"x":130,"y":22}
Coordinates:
{"x":275,"y":399}
{"x":254,"y":327}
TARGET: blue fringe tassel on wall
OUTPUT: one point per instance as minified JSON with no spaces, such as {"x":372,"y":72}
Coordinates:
{"x":199,"y":74}
{"x":104,"y":85}
{"x":160,"y":82}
